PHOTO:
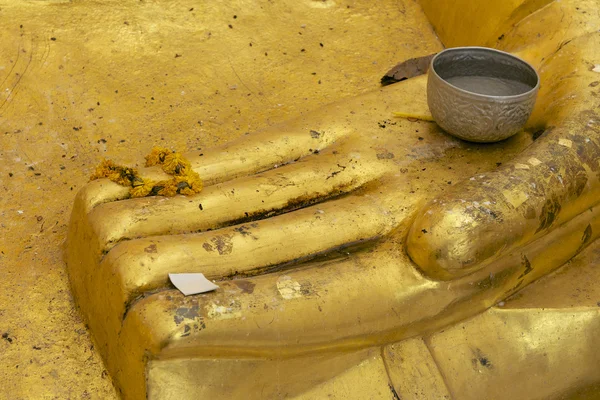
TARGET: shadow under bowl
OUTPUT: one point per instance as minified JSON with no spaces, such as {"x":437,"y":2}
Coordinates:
{"x":481,"y":94}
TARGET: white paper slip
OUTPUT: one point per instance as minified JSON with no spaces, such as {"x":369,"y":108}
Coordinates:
{"x":192,"y":283}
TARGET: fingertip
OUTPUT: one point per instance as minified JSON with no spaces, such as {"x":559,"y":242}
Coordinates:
{"x":448,"y":241}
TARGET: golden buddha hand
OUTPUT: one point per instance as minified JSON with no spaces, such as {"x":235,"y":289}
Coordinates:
{"x":309,"y":228}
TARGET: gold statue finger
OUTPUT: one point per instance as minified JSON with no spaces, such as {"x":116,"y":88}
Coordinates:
{"x":134,"y":267}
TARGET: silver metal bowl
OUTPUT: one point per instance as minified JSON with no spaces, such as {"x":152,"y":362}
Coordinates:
{"x":480,"y":94}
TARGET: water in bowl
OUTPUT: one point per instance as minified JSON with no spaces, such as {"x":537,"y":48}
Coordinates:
{"x":488,"y":85}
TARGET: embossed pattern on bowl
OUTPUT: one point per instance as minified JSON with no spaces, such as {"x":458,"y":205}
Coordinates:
{"x":473,"y":116}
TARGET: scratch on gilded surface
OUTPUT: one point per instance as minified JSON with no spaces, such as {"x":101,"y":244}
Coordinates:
{"x":219,"y":311}
{"x":289,"y":288}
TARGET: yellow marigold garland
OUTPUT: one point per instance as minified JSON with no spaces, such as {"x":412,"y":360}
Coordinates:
{"x":185,"y":181}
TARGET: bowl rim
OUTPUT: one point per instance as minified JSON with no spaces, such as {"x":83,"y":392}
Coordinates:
{"x":480,"y":95}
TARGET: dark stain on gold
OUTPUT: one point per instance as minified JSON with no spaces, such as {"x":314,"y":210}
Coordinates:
{"x":246,"y":286}
{"x":550,"y":212}
{"x":151,"y":248}
{"x":525,"y":263}
{"x":220,"y":243}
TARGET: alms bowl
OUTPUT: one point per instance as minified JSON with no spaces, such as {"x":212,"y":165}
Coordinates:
{"x":481,"y":94}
